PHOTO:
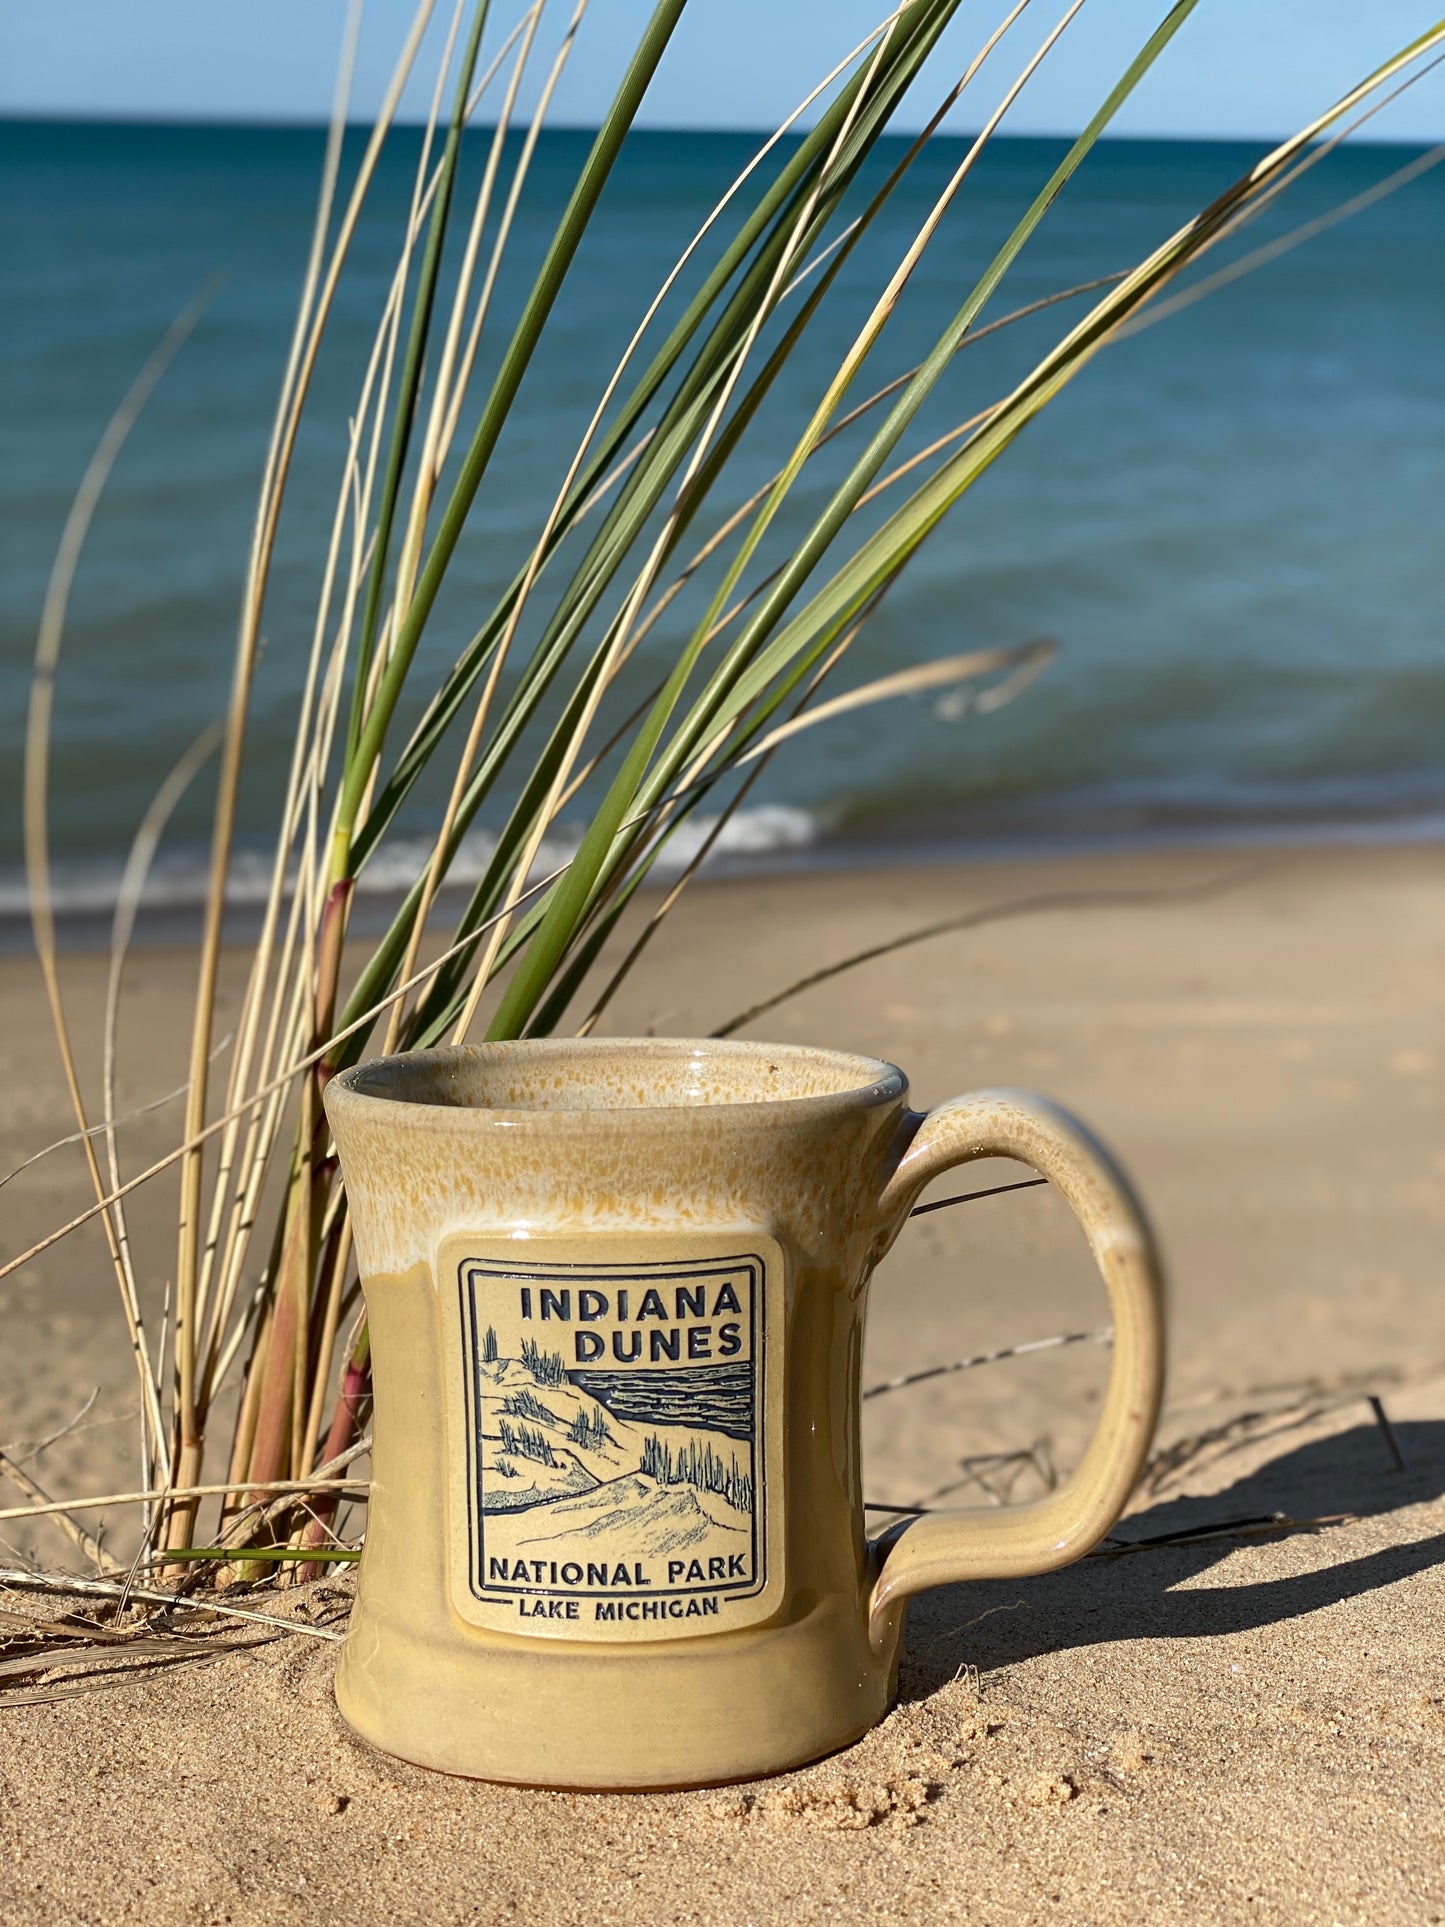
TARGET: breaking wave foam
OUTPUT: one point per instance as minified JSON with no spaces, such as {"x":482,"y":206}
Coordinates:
{"x":177,"y":881}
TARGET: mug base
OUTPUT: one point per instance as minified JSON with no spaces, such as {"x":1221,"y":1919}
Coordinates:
{"x":661,"y":1718}
{"x":706,"y":1783}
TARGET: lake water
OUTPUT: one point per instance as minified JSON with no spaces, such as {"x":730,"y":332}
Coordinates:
{"x":1230,"y":524}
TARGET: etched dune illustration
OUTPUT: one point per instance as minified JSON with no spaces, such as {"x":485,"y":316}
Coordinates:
{"x":561,"y":1473}
{"x":635,"y":1515}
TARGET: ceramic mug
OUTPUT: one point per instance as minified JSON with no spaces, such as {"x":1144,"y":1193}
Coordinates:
{"x":616,"y":1293}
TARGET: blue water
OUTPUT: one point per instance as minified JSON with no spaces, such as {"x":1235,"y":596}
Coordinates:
{"x":1230,"y":524}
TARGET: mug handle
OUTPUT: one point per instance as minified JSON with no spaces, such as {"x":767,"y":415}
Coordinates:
{"x":1011,"y":1542}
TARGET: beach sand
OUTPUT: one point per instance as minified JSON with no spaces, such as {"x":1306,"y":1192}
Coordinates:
{"x":1237,"y":1728}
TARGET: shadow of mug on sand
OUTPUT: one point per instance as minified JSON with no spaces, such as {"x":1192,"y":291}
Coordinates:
{"x":1139,"y":1595}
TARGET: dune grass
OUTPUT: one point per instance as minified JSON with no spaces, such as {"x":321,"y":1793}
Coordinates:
{"x":650,"y":539}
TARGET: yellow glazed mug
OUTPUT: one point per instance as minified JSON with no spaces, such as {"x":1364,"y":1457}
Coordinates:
{"x":616,"y":1292}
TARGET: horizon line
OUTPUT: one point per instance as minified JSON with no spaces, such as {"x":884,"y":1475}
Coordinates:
{"x":258,"y":123}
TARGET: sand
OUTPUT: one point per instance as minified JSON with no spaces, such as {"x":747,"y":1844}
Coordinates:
{"x":1238,"y":1728}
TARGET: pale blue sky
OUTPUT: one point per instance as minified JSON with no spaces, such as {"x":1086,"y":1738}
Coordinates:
{"x":1239,"y":67}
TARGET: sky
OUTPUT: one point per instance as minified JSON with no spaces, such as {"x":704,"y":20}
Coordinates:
{"x":1248,"y":68}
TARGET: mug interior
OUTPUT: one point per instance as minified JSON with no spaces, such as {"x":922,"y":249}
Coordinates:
{"x":612,"y":1074}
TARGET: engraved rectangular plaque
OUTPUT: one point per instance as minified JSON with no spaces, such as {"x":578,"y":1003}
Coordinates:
{"x":616,"y":1424}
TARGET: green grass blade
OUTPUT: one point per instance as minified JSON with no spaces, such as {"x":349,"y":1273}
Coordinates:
{"x":515,"y":363}
{"x":409,"y":386}
{"x":321,"y":1555}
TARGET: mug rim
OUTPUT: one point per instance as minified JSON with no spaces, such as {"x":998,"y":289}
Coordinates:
{"x":873,"y":1081}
